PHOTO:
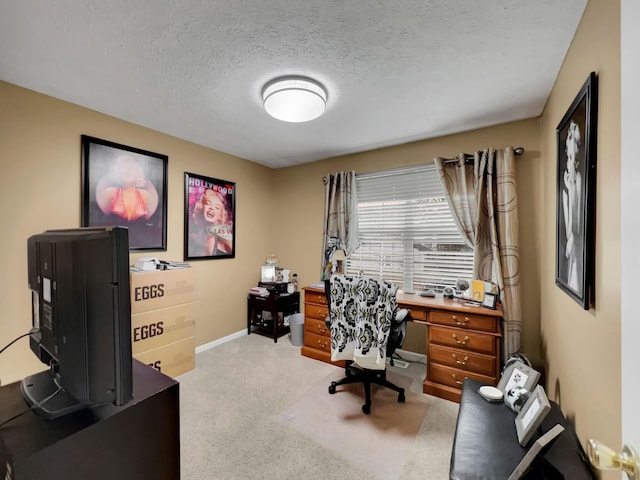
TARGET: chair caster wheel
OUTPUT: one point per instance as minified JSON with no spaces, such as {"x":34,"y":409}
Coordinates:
{"x":401,"y":398}
{"x":332,"y":388}
{"x":366,"y":409}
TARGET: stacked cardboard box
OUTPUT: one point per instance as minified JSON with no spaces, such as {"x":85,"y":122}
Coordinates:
{"x":162,"y":319}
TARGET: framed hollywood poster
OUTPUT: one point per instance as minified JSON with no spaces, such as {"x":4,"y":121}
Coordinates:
{"x":209,"y":218}
{"x":125,"y":186}
{"x":576,"y":195}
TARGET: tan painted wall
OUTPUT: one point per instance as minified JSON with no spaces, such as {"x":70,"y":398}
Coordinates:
{"x":582,"y":348}
{"x":300,"y":199}
{"x":40,"y":189}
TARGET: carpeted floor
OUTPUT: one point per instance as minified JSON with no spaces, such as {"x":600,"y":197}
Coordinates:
{"x":254,"y":409}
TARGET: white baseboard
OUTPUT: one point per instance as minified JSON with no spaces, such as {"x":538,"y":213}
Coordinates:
{"x":220,"y":341}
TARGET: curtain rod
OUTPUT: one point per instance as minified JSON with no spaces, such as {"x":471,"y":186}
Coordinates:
{"x":469,"y":158}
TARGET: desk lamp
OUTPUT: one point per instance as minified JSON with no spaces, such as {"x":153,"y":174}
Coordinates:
{"x":339,"y":257}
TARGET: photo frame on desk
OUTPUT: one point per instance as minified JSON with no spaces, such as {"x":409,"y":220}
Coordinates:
{"x":490,"y":300}
{"x":268,"y":273}
{"x":530,"y":417}
{"x":517,"y":374}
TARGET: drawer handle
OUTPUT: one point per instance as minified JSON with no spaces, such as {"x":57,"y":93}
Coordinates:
{"x":458,"y":382}
{"x":460,"y":342}
{"x":461,"y":323}
{"x":322,"y":329}
{"x":322,"y":344}
{"x":460,"y":362}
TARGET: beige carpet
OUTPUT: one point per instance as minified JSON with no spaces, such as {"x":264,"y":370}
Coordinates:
{"x":378,"y":442}
{"x":254,"y":409}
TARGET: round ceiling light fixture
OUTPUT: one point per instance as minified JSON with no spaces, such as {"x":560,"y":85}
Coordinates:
{"x":294,"y":99}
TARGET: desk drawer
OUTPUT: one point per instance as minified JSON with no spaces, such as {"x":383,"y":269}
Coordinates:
{"x":319,"y":342}
{"x":419,"y":314}
{"x":454,"y":377}
{"x":463,"y":360}
{"x":315,"y":311}
{"x":462,"y":339}
{"x":315,"y":297}
{"x":464,"y":320}
{"x":318,"y":327}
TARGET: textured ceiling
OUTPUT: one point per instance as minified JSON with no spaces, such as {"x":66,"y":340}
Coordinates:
{"x":396,"y":70}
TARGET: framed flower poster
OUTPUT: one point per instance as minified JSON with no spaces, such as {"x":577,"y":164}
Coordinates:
{"x":125,"y":186}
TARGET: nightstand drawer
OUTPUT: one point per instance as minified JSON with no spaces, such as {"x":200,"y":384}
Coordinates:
{"x":464,"y":320}
{"x":318,"y":327}
{"x":462,"y":339}
{"x":463,"y":360}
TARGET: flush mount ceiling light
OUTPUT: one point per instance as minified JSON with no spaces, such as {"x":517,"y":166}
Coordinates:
{"x":294,"y":99}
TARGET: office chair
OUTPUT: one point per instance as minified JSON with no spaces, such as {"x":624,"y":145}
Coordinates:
{"x":362,"y":315}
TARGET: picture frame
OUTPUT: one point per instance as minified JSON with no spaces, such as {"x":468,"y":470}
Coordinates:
{"x":125,"y":186}
{"x":209,"y":218}
{"x":575,"y":195}
{"x":538,"y":449}
{"x":489,"y":300}
{"x":531,"y":415}
{"x":268,"y":273}
{"x":517,"y":374}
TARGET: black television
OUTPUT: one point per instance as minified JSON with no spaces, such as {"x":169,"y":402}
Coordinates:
{"x":81,"y":315}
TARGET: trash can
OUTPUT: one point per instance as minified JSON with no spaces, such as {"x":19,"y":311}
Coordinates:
{"x":296,"y":326}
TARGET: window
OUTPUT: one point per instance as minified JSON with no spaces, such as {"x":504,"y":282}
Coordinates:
{"x":408,"y":235}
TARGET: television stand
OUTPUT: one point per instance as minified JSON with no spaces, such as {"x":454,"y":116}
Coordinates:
{"x":140,"y":439}
{"x":46,"y":397}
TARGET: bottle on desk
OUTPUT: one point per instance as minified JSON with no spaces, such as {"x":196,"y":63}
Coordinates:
{"x":294,"y":281}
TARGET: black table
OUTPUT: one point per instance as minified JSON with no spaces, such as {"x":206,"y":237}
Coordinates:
{"x":486,"y":445}
{"x":138,"y":440}
{"x":265,"y":315}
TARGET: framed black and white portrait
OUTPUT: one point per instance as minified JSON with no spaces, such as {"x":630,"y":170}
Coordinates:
{"x":575,"y":195}
{"x":125,"y":186}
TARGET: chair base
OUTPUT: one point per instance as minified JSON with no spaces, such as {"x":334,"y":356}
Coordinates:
{"x":366,"y":377}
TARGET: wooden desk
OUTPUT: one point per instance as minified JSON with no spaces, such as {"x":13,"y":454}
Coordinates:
{"x":462,"y":341}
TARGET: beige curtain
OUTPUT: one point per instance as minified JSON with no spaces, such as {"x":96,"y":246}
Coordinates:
{"x":484,"y":202}
{"x":340,"y":216}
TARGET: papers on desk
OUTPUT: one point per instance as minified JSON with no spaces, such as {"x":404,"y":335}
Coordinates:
{"x":260,"y":291}
{"x":317,"y":285}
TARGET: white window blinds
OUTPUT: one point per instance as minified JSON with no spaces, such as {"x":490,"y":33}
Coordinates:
{"x":407,"y":233}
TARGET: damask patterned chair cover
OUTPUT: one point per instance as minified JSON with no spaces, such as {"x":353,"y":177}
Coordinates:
{"x":361,"y":312}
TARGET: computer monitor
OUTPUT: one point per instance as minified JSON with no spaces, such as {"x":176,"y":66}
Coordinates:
{"x":79,"y":280}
